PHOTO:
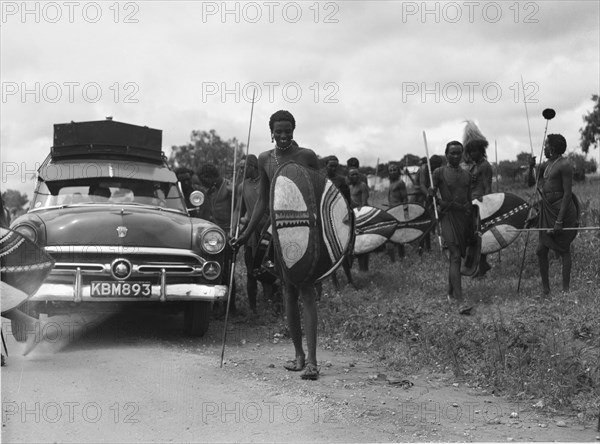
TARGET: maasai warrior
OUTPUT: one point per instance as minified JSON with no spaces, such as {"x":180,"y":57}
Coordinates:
{"x":397,"y":194}
{"x":354,"y":163}
{"x":248,"y":201}
{"x":558,"y":209}
{"x":359,"y":197}
{"x":454,"y":185}
{"x":282,"y":125}
{"x":423,"y":182}
{"x":216,"y":208}
{"x":475,"y":145}
{"x":331,"y":169}
{"x":218,"y":193}
{"x":189,"y":183}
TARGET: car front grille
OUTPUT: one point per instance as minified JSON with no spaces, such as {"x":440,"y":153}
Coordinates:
{"x":97,"y":260}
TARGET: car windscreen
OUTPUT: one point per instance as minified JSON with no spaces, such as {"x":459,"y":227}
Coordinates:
{"x":117,"y":191}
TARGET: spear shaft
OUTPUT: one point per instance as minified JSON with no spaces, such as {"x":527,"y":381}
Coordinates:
{"x":237,"y":228}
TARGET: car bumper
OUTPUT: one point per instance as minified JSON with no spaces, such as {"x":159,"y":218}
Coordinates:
{"x":160,"y":293}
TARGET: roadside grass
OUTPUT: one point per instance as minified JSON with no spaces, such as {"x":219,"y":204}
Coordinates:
{"x":512,"y":343}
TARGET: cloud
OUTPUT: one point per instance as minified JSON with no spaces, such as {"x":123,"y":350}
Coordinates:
{"x":363,"y":79}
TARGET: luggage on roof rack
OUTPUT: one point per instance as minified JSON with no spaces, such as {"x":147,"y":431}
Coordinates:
{"x":106,"y":138}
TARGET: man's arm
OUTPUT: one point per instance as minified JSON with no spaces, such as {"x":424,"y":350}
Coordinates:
{"x":566,"y":176}
{"x":261,"y":204}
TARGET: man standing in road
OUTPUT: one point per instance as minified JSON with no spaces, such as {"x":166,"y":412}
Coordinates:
{"x":282,"y":125}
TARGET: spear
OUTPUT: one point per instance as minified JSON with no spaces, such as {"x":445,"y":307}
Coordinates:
{"x":237,"y":227}
{"x":527,"y":115}
{"x":437,"y":219}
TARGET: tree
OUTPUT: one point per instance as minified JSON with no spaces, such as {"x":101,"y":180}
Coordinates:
{"x":409,"y":160}
{"x":581,"y":166}
{"x":206,"y":147}
{"x":509,"y":169}
{"x":590,"y":133}
{"x":14,"y":200}
{"x":523,"y":158}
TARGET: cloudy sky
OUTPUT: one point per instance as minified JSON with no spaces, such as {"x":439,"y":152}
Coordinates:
{"x":362,"y":78}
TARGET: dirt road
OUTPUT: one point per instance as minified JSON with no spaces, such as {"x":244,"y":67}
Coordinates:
{"x":119,"y":379}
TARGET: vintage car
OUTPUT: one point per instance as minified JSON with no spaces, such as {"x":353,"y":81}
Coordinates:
{"x":111,"y":213}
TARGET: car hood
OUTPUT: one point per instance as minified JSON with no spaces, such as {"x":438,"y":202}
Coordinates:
{"x":116,"y":225}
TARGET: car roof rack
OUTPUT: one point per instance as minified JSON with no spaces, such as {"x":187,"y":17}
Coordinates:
{"x":107,"y":139}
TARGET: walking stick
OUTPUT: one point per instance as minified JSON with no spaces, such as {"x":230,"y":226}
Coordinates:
{"x":548,"y":114}
{"x":437,"y":219}
{"x":237,"y":228}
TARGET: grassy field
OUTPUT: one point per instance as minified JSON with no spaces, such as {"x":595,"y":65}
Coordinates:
{"x":513,"y":343}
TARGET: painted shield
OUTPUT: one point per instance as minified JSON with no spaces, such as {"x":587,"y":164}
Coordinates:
{"x":500,"y":214}
{"x":373,"y":228}
{"x":313,"y":227}
{"x":414,"y":220}
{"x":23,"y":267}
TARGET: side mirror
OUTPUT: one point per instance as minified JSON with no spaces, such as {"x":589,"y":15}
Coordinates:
{"x":197,"y":198}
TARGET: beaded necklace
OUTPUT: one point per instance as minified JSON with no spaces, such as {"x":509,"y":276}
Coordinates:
{"x":277,"y":147}
{"x":547,"y":170}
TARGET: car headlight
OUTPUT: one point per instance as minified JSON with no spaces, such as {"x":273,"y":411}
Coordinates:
{"x":197,"y":198}
{"x":28,"y":231}
{"x":212,"y":241}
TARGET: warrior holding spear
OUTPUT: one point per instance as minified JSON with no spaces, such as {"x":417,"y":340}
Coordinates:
{"x":558,"y":209}
{"x":476,"y":163}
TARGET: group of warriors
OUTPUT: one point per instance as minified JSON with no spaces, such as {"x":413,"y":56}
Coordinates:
{"x":450,"y":186}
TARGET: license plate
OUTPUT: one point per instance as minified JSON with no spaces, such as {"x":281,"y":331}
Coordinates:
{"x":121,"y":289}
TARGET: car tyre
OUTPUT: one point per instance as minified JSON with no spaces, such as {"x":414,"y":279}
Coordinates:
{"x":196,"y":318}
